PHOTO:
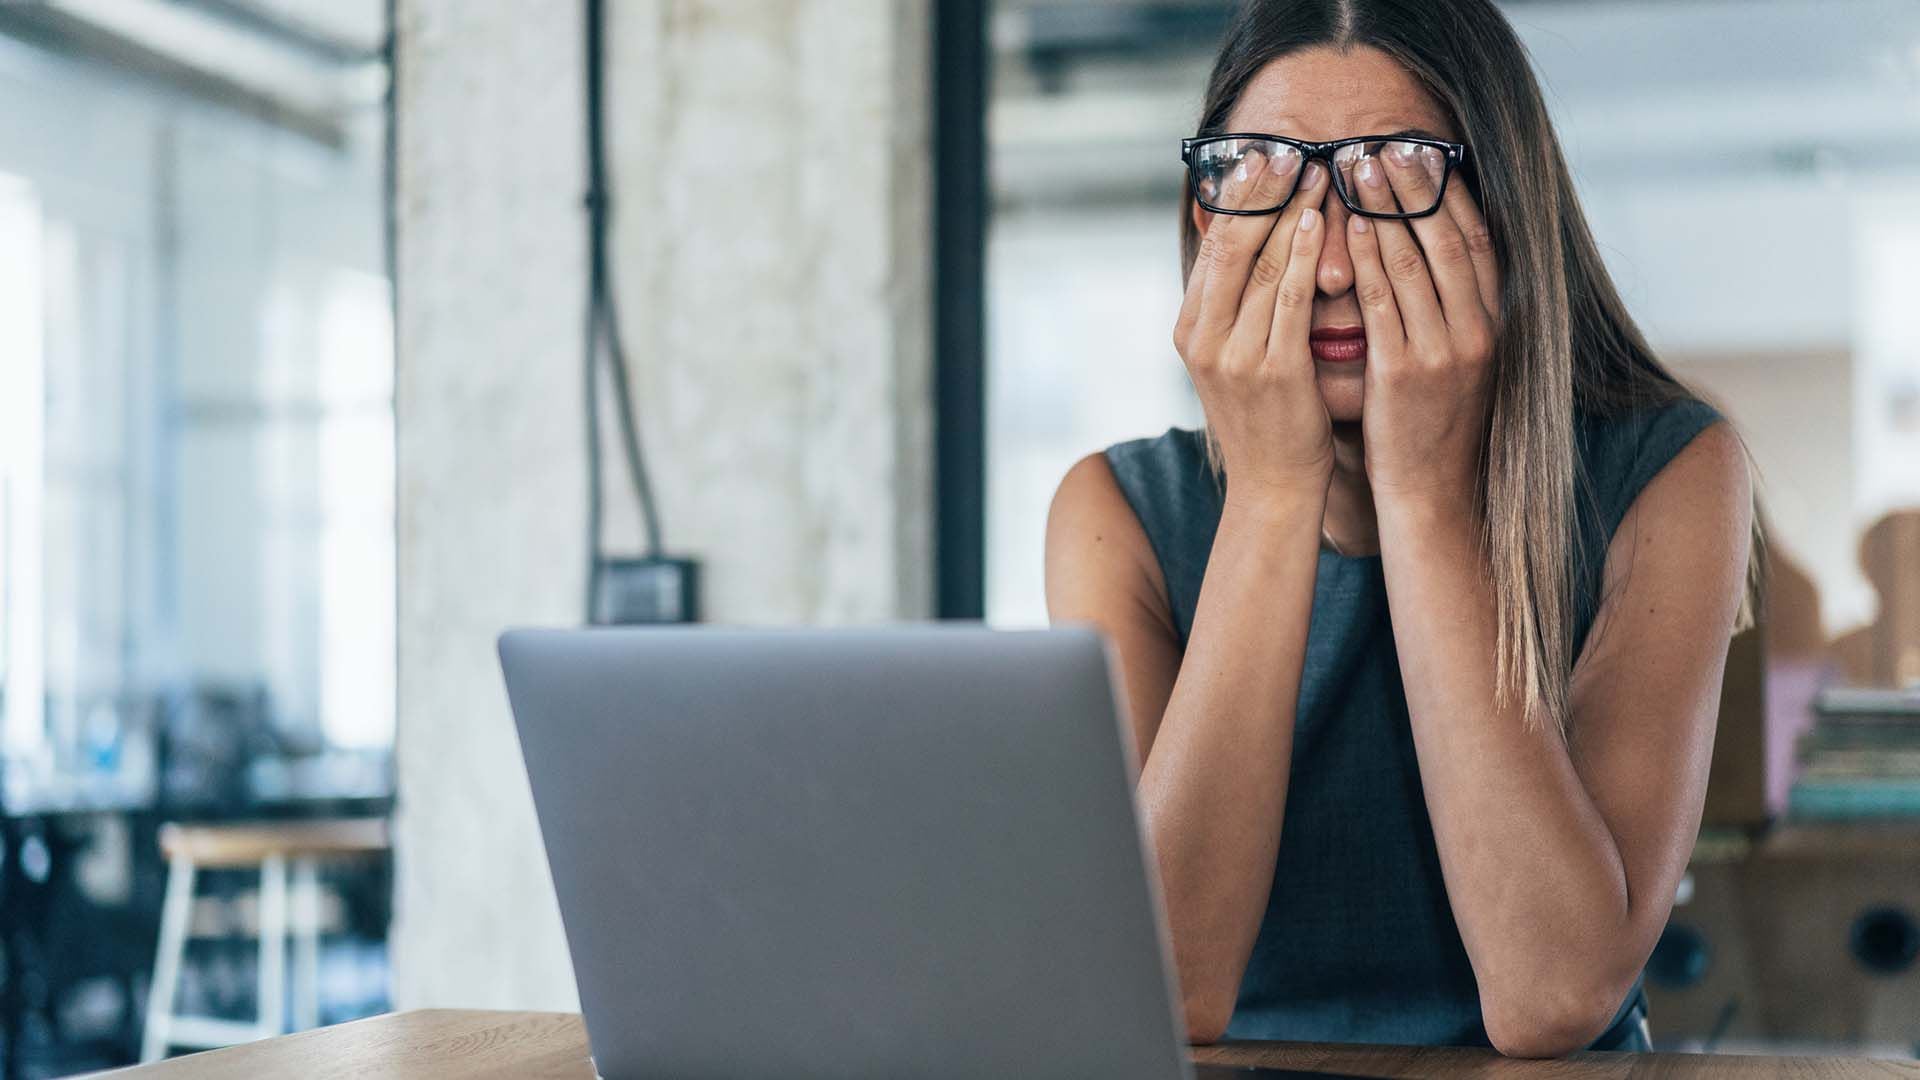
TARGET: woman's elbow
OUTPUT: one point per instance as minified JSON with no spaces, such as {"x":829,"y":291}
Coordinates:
{"x":1207,"y":1016}
{"x":1546,"y":1025}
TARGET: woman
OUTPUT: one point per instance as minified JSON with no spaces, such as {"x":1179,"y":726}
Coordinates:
{"x":1422,"y":637}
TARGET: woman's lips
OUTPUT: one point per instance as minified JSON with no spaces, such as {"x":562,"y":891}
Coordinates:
{"x":1339,"y":344}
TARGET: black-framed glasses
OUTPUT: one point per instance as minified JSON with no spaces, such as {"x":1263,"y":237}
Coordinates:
{"x":1256,"y":173}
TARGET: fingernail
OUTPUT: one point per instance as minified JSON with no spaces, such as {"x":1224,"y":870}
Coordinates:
{"x":1307,"y":218}
{"x":1403,"y":152}
{"x":1360,"y":224}
{"x":1368,"y":171}
{"x":1240,"y":172}
{"x":1315,"y":174}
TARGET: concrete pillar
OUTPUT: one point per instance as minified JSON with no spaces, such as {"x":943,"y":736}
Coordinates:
{"x":772,"y":237}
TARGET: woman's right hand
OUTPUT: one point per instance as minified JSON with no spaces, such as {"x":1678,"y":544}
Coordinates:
{"x":1242,"y":333}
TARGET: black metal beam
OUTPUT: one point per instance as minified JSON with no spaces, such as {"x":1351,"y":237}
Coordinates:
{"x":1119,"y":29}
{"x":959,"y":306}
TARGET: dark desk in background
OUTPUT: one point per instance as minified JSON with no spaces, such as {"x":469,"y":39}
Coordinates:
{"x":47,"y":930}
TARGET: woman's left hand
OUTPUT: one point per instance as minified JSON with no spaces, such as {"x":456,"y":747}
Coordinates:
{"x":1431,"y":311}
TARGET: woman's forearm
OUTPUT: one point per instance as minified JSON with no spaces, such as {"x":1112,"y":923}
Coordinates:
{"x":1536,"y":881}
{"x":1214,"y":783}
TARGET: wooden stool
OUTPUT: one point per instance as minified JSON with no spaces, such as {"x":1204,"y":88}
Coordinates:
{"x":270,"y":846}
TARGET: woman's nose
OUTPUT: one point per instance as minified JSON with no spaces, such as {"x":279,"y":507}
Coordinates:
{"x":1335,"y":273}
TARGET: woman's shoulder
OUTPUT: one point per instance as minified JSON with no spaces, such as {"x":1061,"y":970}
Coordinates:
{"x":1621,"y":448}
{"x":1170,"y":466}
{"x":1637,"y":420}
{"x":1175,"y":495}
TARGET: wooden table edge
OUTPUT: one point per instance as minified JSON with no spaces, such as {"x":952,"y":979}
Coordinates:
{"x":437,"y":1043}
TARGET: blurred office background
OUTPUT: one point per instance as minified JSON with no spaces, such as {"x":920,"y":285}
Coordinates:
{"x":196,"y":497}
{"x":886,"y":269}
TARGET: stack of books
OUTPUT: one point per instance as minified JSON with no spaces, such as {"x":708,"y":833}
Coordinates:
{"x":1861,"y":759}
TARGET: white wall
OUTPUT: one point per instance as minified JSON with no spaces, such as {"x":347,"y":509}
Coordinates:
{"x":772,"y":244}
{"x":1796,"y":412}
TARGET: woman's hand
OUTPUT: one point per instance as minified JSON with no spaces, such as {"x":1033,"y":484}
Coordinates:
{"x":1432,"y":313}
{"x":1243,"y":332}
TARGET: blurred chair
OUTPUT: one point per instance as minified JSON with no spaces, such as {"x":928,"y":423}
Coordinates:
{"x":1886,"y":652}
{"x":1773,"y":671}
{"x":271,"y":848}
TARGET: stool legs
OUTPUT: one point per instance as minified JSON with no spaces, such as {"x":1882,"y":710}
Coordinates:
{"x":306,"y":945}
{"x":273,"y":947}
{"x":164,"y":1029}
{"x":175,"y":912}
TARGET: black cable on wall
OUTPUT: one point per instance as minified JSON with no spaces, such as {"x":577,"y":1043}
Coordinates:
{"x":603,"y":332}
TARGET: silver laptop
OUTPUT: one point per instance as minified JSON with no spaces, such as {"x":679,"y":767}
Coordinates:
{"x":896,"y":851}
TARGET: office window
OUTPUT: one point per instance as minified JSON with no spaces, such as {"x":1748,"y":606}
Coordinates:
{"x":195,"y":475}
{"x":196,"y":491}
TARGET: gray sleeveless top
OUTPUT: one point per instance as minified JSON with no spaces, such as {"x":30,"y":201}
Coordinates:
{"x":1358,"y":943}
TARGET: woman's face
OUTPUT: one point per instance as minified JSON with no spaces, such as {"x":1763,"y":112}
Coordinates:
{"x":1321,"y":94}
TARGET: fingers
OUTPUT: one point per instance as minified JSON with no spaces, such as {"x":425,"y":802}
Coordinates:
{"x":1190,"y":303}
{"x":1413,"y":175}
{"x":1293,"y":297}
{"x":1398,"y":260}
{"x":1275,"y":264}
{"x":1386,"y":333}
{"x":1233,"y":241}
{"x":1473,"y":229}
{"x":1229,"y":192}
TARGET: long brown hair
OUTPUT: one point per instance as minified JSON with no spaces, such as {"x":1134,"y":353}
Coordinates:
{"x":1567,"y":340}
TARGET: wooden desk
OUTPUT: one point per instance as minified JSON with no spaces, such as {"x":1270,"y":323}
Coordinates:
{"x":432,"y":1044}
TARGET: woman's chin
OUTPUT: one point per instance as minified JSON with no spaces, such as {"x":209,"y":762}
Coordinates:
{"x":1342,"y":394}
